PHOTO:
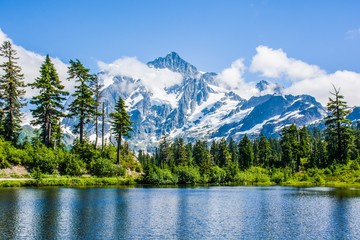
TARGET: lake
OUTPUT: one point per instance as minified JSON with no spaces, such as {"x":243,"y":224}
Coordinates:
{"x":180,"y":213}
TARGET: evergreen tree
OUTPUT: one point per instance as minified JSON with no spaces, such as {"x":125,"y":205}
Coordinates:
{"x":338,"y":132}
{"x":289,"y":146}
{"x":83,"y":106}
{"x":202,"y":156}
{"x":246,"y":154}
{"x":264,"y":151}
{"x":11,"y":93}
{"x":189,"y":156}
{"x":120,"y":124}
{"x":233,"y":151}
{"x":276,"y":152}
{"x":224,"y":156}
{"x":165,"y":156}
{"x":255,"y":147}
{"x":49,"y":108}
{"x":214,"y":151}
{"x":304,"y":147}
{"x":180,"y":154}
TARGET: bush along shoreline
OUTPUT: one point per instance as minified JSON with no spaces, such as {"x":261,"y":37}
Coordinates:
{"x":344,"y":176}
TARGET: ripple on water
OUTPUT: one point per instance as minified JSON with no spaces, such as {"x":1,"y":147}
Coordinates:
{"x":180,"y":213}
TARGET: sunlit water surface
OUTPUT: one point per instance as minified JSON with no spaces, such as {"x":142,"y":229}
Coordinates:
{"x":180,"y":213}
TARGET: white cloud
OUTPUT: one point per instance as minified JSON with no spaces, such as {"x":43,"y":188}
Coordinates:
{"x":353,"y":34}
{"x":153,"y":79}
{"x":30,"y":63}
{"x":319,"y":87}
{"x":305,"y":78}
{"x":232,"y":79}
{"x":276,"y":64}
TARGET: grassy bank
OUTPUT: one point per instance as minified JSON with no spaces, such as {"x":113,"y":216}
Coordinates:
{"x":340,"y":176}
{"x":68,"y":181}
{"x":123,"y":181}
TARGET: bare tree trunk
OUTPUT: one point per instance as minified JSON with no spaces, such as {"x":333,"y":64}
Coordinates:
{"x":96,"y":126}
{"x":118,"y":149}
{"x":103,"y":126}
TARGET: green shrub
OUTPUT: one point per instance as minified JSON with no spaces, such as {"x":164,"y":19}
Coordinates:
{"x":231,"y":170}
{"x":217,"y":175}
{"x":188,"y":175}
{"x":72,"y":166}
{"x":253,"y":175}
{"x":45,"y":159}
{"x":327,"y":171}
{"x":102,"y":167}
{"x":354,"y":165}
{"x":165,"y":176}
{"x":277,"y":176}
{"x":155,"y":175}
{"x":319,"y":179}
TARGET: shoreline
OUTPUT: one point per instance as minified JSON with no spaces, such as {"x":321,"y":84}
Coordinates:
{"x":129,"y":181}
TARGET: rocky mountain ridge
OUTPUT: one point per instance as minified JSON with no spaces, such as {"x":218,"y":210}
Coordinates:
{"x":199,"y":108}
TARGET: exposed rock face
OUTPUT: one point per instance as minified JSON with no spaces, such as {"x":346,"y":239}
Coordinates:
{"x":198,"y":108}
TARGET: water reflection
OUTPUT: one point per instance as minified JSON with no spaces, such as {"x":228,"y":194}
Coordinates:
{"x":185,"y":213}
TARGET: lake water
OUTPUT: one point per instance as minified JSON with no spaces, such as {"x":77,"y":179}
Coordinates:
{"x":179,"y":213}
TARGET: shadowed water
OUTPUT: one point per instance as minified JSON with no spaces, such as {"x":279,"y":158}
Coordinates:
{"x":179,"y":213}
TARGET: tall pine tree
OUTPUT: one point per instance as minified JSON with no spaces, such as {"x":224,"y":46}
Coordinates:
{"x":49,"y":108}
{"x":264,"y":151}
{"x":11,"y":93}
{"x":83,"y":107}
{"x":120,"y":124}
{"x":338,"y":132}
{"x":246,"y":153}
{"x":290,"y":147}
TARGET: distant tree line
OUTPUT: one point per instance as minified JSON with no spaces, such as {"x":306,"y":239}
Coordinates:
{"x":297,"y":150}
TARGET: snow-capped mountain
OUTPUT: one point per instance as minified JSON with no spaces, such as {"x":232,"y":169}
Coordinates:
{"x":198,"y":108}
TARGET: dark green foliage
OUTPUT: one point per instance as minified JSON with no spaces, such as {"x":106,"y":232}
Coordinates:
{"x":165,"y":155}
{"x":102,"y":167}
{"x":223,"y":154}
{"x":9,"y":154}
{"x":120,"y":125}
{"x":11,"y":94}
{"x":217,"y":175}
{"x":264,"y":153}
{"x":290,"y":147}
{"x":85,"y":150}
{"x":46,"y":160}
{"x":180,"y":152}
{"x":73,"y":166}
{"x":156,"y":175}
{"x":84,"y":106}
{"x":202,"y":156}
{"x":338,"y":132}
{"x":188,"y":175}
{"x":246,"y":154}
{"x":49,"y":107}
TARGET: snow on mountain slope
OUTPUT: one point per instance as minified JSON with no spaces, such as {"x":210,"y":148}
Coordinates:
{"x":196,"y":107}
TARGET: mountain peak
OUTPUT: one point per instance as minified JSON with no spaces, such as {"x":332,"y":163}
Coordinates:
{"x":262,"y":85}
{"x":175,"y":63}
{"x":266,"y":87}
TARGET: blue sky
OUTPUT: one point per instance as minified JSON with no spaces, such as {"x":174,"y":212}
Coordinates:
{"x":304,"y":45}
{"x":210,"y":34}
